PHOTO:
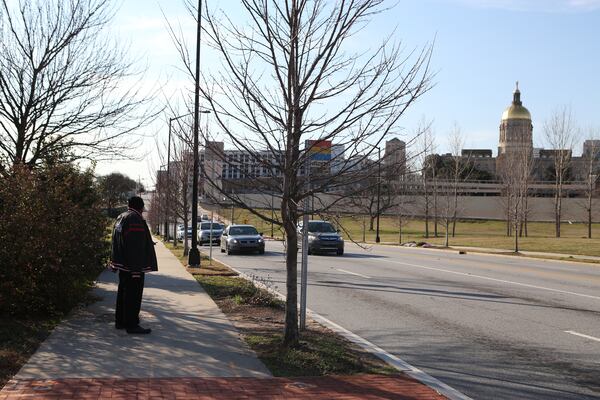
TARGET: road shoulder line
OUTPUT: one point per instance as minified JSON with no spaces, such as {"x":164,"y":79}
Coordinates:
{"x":363,"y":343}
{"x":352,"y":273}
{"x":583,"y":335}
{"x":589,"y":296}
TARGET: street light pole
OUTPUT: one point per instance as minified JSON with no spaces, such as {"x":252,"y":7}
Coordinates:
{"x":377,"y":238}
{"x":194,"y":255}
{"x":168,"y":199}
{"x":166,"y":236}
{"x":272,"y":216}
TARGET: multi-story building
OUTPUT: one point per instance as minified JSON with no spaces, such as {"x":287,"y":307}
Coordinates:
{"x":516,"y":137}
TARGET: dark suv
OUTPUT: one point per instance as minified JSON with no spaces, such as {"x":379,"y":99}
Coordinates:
{"x":323,"y":237}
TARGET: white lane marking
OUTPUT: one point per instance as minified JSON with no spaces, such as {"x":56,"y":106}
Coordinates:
{"x":396,"y":362}
{"x":583,"y":336}
{"x":352,"y":273}
{"x":495,"y":280}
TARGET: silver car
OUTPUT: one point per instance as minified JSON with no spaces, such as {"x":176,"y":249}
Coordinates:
{"x":208,"y":230}
{"x":238,"y":238}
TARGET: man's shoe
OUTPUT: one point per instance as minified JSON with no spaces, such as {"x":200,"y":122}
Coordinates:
{"x":139,"y":330}
{"x":121,"y":326}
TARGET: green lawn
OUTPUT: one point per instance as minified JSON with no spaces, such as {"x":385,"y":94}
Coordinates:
{"x":491,"y":234}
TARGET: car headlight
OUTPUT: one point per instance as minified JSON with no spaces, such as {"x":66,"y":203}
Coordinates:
{"x":260,"y":240}
{"x":341,"y":239}
{"x":235,"y":241}
{"x":312,"y":237}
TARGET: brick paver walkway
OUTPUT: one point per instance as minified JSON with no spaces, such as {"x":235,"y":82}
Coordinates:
{"x":364,"y":387}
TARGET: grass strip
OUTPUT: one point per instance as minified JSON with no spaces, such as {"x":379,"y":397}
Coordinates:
{"x":216,"y":268}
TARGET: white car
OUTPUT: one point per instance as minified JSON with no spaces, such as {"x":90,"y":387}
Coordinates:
{"x":180,"y":232}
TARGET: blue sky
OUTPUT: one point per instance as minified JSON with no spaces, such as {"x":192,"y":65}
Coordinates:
{"x":551,"y":47}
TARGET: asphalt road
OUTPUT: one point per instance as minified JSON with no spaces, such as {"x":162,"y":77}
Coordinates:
{"x":491,"y":327}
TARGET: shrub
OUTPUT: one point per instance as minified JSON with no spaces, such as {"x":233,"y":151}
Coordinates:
{"x":52,"y":238}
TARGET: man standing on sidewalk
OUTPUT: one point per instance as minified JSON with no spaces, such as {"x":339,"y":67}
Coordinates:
{"x":133,"y":255}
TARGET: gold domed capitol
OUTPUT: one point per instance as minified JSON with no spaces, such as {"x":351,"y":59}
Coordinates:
{"x":516,"y":109}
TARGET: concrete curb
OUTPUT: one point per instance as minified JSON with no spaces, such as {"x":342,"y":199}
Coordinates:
{"x":551,"y":257}
{"x":364,"y":344}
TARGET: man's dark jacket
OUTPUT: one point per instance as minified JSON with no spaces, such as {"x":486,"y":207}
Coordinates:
{"x":132,"y":245}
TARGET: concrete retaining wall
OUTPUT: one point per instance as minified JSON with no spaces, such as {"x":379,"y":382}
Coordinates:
{"x":470,"y":207}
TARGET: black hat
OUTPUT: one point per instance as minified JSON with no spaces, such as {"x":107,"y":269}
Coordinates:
{"x":136,"y":202}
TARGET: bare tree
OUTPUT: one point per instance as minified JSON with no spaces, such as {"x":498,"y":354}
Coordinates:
{"x":426,"y":151}
{"x":401,"y":203}
{"x":64,"y":86}
{"x":516,"y":171}
{"x":591,"y":159}
{"x":287,"y":77}
{"x":460,"y":168}
{"x":561,"y":133}
{"x":182,"y":169}
{"x":377,"y":197}
{"x":434,"y":192}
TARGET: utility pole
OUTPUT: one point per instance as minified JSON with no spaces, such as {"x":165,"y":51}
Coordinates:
{"x":304,"y":266}
{"x":377,"y":238}
{"x":194,"y":255}
{"x":272,"y":216}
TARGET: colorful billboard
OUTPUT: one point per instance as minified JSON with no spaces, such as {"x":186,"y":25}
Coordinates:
{"x":319,"y":150}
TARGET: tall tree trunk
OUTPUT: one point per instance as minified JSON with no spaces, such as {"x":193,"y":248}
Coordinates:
{"x":455,"y":208}
{"x":289,"y":207}
{"x":364,"y":229}
{"x":447,"y":240}
{"x":399,"y":228}
{"x":526,"y":212}
{"x":589,"y":214}
{"x":516,"y":230}
{"x":435,"y":209}
{"x":521,"y":229}
{"x":508,"y":219}
{"x":186,"y":246}
{"x":557,"y":209}
{"x":426,"y":194}
{"x":291,"y":336}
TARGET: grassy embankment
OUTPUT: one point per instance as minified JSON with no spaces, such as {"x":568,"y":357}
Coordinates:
{"x":259,"y":316}
{"x":486,"y":234}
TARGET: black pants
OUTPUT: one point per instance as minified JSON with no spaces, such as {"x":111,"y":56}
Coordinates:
{"x":129,"y":299}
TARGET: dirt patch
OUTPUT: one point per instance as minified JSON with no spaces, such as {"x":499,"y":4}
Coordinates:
{"x":320,"y":352}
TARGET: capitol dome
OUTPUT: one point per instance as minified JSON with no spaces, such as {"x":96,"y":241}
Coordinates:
{"x":516,"y":109}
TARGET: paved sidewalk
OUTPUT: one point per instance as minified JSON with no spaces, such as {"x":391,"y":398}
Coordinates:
{"x":190,"y":335}
{"x":193,"y":352}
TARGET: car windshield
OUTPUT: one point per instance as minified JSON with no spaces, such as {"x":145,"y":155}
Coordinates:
{"x":243,"y":230}
{"x":320,"y":227}
{"x":205,"y":226}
